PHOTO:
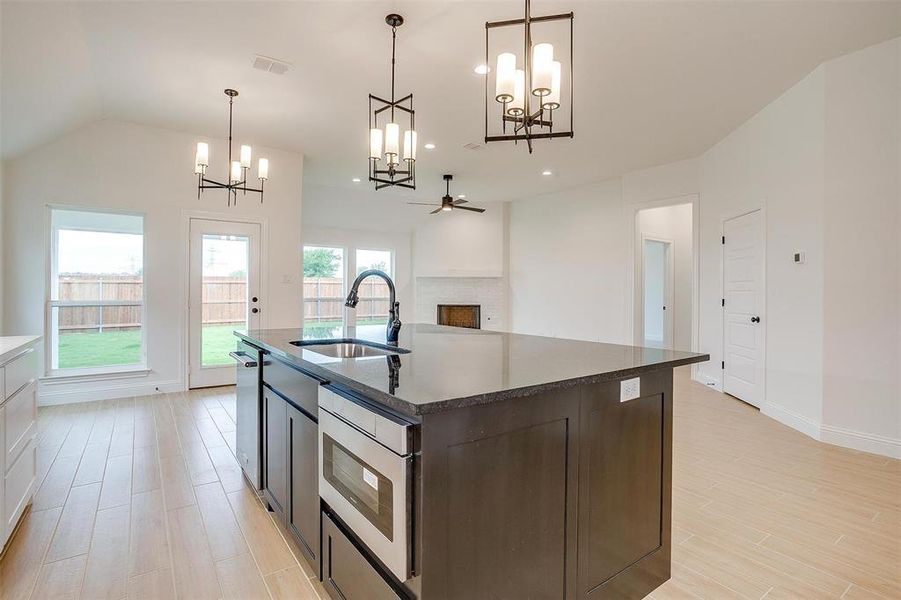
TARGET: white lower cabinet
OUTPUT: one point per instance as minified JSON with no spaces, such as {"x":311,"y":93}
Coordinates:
{"x":19,"y":487}
{"x":19,"y":369}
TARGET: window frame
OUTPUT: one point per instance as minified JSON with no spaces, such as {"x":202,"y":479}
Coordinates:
{"x":51,"y":278}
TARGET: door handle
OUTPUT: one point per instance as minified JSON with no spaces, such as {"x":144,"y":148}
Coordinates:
{"x":755,"y":319}
{"x":243,"y":359}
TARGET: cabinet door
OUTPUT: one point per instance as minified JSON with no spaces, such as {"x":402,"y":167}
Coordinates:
{"x":624,"y":488}
{"x":276,"y":455}
{"x":303,"y":482}
{"x":346,"y":574}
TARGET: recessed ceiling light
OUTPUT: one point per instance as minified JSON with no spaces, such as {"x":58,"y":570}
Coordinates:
{"x":430,"y":146}
{"x":356,"y":180}
{"x":547,"y":173}
{"x":482,"y":69}
{"x":461,"y":196}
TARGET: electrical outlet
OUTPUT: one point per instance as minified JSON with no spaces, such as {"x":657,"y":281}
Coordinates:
{"x":630,"y":389}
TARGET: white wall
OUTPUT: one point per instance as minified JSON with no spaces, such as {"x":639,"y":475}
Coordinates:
{"x":773,"y":161}
{"x":2,"y":244}
{"x":674,"y":223}
{"x":862,"y":228}
{"x":569,"y":253}
{"x":461,"y":243}
{"x":125,"y":166}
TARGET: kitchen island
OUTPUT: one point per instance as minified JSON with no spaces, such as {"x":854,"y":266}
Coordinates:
{"x":470,"y":464}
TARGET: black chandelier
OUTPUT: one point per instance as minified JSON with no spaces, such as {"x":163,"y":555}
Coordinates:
{"x":529,"y":96}
{"x":237,"y":175}
{"x":385,"y":144}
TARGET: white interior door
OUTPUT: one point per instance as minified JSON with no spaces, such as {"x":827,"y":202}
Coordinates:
{"x":224,"y":295}
{"x":743,"y":331}
{"x":657,"y":286}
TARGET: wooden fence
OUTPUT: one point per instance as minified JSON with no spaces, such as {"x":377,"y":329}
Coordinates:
{"x":323,"y":299}
{"x":224,"y":301}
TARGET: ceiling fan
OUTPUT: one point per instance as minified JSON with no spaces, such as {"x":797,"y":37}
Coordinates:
{"x":447,"y":202}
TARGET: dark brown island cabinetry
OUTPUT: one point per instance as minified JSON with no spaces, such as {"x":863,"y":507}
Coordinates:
{"x":291,"y":456}
{"x":564,"y":494}
{"x":542,"y":472}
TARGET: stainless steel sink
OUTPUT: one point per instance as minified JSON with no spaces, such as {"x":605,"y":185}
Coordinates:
{"x":349,"y":348}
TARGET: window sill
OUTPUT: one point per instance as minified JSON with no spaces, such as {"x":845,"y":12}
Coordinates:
{"x":69,"y":375}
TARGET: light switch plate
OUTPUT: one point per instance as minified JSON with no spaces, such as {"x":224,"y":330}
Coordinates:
{"x":629,"y":389}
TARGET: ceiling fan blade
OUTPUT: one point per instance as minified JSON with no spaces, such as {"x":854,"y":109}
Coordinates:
{"x":460,"y":201}
{"x":423,"y":204}
{"x":436,"y":211}
{"x":473,"y":209}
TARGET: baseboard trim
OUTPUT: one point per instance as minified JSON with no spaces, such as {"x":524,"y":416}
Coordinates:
{"x":708,"y":380}
{"x":837,"y":436}
{"x":805,"y":425}
{"x":54,"y":394}
{"x":858,"y":440}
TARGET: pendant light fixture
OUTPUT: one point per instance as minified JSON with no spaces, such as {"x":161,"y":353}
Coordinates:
{"x":237,"y":169}
{"x":528,"y":97}
{"x":391,"y":163}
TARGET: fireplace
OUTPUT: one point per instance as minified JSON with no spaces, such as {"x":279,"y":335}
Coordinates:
{"x":460,"y":315}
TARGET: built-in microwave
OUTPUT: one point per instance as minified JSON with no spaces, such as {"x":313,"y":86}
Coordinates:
{"x":366,"y":473}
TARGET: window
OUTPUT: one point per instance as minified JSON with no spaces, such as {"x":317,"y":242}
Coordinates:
{"x":323,"y":290}
{"x":96,"y":304}
{"x":374,"y":296}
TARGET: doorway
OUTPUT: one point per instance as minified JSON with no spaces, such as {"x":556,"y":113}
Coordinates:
{"x":743,"y":302}
{"x":657,"y":286}
{"x":224,"y":295}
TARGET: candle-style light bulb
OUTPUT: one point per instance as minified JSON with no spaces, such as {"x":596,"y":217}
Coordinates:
{"x":552,"y":100}
{"x":263,"y":169}
{"x":203,"y":154}
{"x":505,"y":74}
{"x":245,"y":157}
{"x":410,"y":145}
{"x":542,"y":69}
{"x":392,"y":142}
{"x":516,"y":107}
{"x":375,"y":143}
{"x":236,"y":171}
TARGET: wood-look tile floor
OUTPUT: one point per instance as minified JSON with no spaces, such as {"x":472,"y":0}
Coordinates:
{"x":143,"y":498}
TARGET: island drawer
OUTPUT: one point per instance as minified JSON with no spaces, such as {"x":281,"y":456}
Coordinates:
{"x":300,"y":388}
{"x":346,"y":572}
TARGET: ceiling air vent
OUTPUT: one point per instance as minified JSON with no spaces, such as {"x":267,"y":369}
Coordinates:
{"x":474,"y":146}
{"x":271,"y":65}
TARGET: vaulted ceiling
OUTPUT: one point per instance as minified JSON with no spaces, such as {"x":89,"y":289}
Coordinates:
{"x":654,"y":81}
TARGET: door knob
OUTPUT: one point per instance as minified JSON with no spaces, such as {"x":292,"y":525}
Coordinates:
{"x":254,"y":310}
{"x":755,"y":319}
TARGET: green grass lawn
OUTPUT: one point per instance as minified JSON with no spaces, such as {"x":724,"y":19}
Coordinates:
{"x":95,"y":349}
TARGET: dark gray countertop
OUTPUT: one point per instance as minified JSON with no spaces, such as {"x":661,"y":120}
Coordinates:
{"x":450,"y":367}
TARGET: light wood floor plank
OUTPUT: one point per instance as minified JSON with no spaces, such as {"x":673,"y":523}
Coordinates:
{"x":268,"y":548}
{"x":290,"y":584}
{"x":240,"y":579}
{"x":148,"y":548}
{"x":61,"y":580}
{"x":195,"y":571}
{"x":73,"y":533}
{"x":106,"y":575}
{"x":116,"y":489}
{"x":156,"y":585}
{"x":92,"y":465}
{"x":222,"y":530}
